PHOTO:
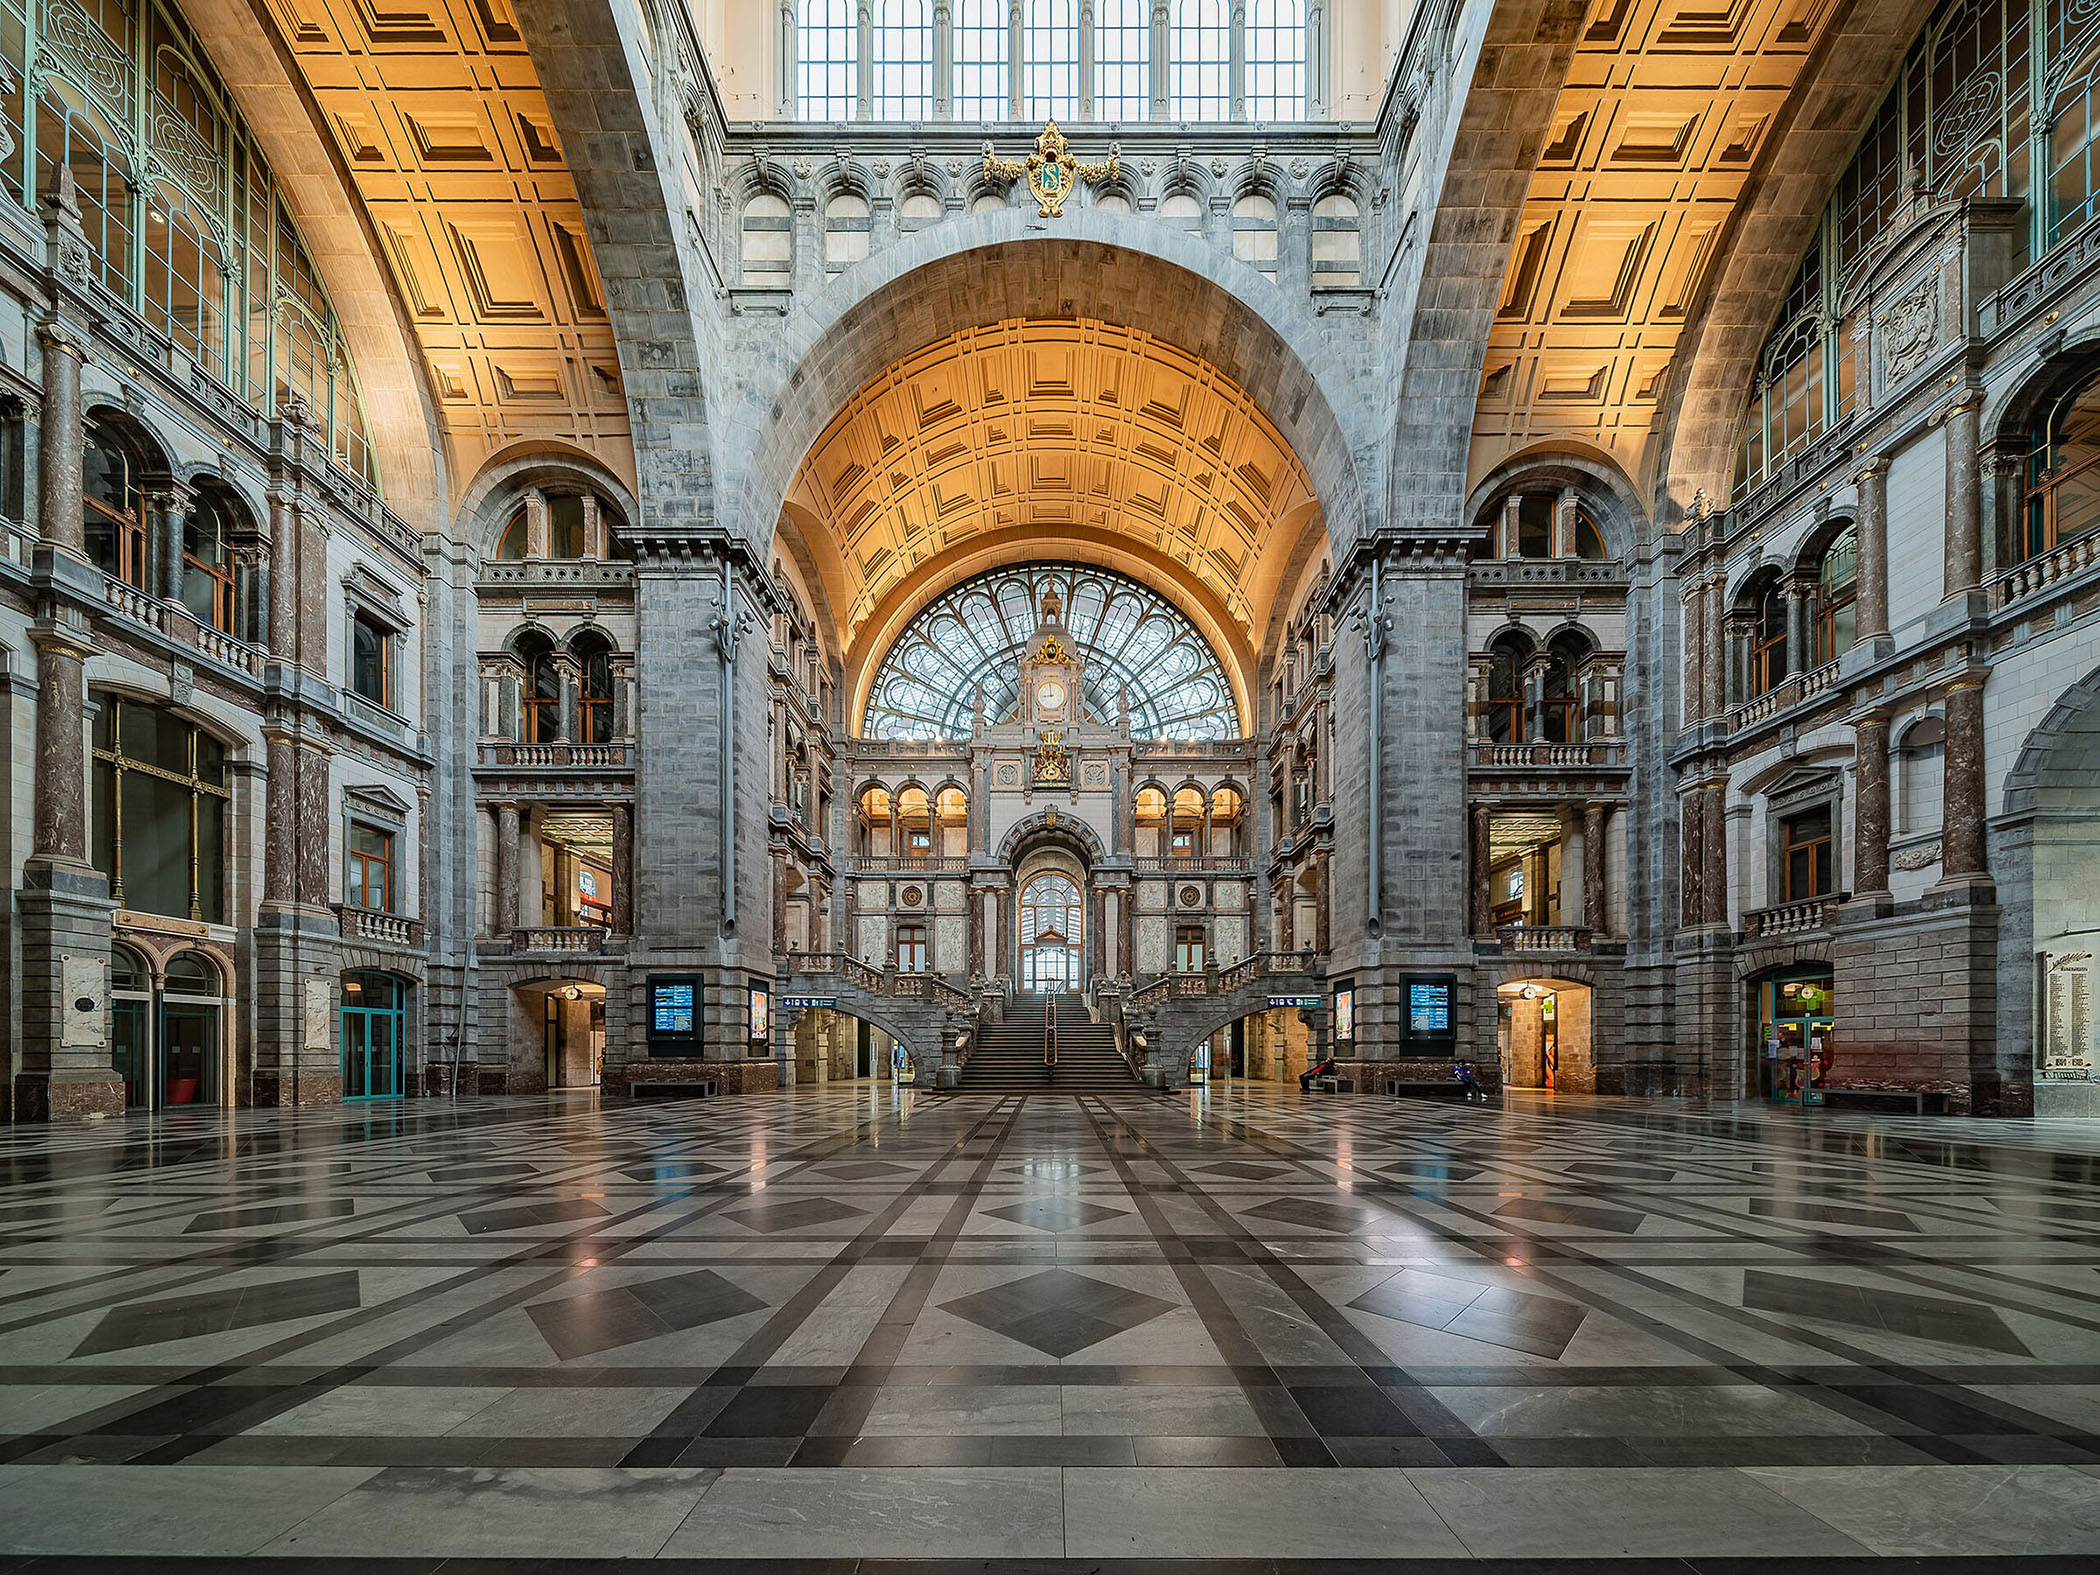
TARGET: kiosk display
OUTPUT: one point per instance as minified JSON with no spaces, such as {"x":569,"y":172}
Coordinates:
{"x":674,"y":1016}
{"x":1429,"y":1001}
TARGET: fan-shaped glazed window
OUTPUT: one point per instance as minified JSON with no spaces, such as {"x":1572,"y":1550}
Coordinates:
{"x":972,"y":639}
{"x":2063,"y":472}
{"x":1837,"y":597}
{"x":577,"y":525}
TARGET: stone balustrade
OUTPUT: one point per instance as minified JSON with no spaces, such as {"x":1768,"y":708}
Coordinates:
{"x":1784,"y":695}
{"x":1793,"y":918}
{"x":568,"y":940}
{"x":2061,"y":562}
{"x":558,"y":757}
{"x":1527,"y":939}
{"x":1587,"y":755}
{"x":369,"y":924}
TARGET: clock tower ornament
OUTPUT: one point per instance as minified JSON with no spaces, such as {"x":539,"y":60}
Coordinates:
{"x":1052,"y":672}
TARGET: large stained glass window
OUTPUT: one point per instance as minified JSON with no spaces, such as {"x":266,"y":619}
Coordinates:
{"x":973,"y":638}
{"x":187,"y":227}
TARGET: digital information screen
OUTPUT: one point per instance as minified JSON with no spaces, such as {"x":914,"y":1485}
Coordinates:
{"x":674,"y":1016}
{"x":1429,"y":1009}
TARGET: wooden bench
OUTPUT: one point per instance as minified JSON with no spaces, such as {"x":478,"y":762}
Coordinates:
{"x":674,"y":1088}
{"x":1898,"y":1101}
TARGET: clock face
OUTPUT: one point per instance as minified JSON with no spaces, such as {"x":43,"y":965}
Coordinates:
{"x":1050,"y":694}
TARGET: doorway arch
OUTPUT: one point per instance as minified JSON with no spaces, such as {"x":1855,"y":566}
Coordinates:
{"x":1052,"y":930}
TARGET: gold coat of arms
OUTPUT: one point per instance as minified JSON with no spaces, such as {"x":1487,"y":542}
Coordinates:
{"x":1051,"y":171}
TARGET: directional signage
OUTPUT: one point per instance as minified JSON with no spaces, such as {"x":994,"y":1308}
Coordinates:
{"x":1296,"y":1000}
{"x":804,"y":1003}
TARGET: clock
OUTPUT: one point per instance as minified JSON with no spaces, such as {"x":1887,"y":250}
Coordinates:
{"x":1050,"y":694}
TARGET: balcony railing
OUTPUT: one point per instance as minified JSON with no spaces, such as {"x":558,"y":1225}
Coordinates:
{"x":566,"y":939}
{"x":1787,"y":693}
{"x":175,"y":621}
{"x":2059,"y":563}
{"x":1593,"y":753}
{"x":1218,"y":981}
{"x":557,"y":757}
{"x":369,"y":924}
{"x":1793,"y":918}
{"x":1529,"y":938}
{"x":1194,"y":864}
{"x":906,"y":863}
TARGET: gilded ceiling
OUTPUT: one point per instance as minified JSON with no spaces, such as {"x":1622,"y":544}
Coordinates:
{"x":443,"y":127}
{"x":1653,"y":137}
{"x":1055,"y":430}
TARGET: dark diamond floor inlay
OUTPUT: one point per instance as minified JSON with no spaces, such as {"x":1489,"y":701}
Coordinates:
{"x":1057,"y":1214}
{"x":1058,"y":1312}
{"x":778,"y":1214}
{"x":1871,"y":1307}
{"x":597,"y":1321}
{"x":215,"y":1312}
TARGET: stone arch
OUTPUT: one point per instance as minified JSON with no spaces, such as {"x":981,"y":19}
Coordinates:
{"x":1807,"y":555}
{"x":486,"y":506}
{"x":2050,"y":769}
{"x":983,"y":269}
{"x":1614,"y":505}
{"x":1051,"y":825}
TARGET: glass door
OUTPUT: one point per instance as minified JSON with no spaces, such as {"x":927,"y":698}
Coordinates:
{"x":374,"y":1035}
{"x":131,"y":1047}
{"x":189,"y":1033}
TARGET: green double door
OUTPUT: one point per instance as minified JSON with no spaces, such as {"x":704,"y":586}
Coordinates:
{"x":375,"y":1023}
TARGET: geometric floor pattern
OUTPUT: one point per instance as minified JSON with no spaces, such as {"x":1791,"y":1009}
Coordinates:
{"x":1238,"y":1327}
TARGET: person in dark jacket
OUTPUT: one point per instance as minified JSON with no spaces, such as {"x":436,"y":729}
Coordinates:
{"x":1324,"y":1069}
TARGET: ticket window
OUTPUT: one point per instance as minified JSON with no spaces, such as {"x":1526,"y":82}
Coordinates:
{"x":1796,"y":1036}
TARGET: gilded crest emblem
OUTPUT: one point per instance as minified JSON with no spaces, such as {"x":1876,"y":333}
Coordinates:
{"x":1053,"y":762}
{"x":1051,"y":171}
{"x":1052,"y":650}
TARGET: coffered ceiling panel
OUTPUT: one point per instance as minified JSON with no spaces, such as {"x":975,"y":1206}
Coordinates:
{"x":1661,"y":116}
{"x":1055,"y":427}
{"x":442,"y":123}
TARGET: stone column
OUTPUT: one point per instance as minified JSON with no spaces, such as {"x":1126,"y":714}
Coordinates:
{"x":284,"y":577}
{"x":167,"y":503}
{"x":61,"y":455}
{"x":1087,"y":57}
{"x":506,"y":870}
{"x":1594,"y":907}
{"x":1692,"y":874}
{"x":1482,"y":903}
{"x":1714,"y":849}
{"x":1964,"y":571}
{"x":943,"y":60}
{"x":1713,"y":664}
{"x":539,"y":525}
{"x":1574,"y":864}
{"x":1799,"y":644}
{"x":60,"y":833}
{"x":1870,"y":835}
{"x":780,"y":905}
{"x":532,"y":883}
{"x":1323,"y":911}
{"x":1016,"y":57}
{"x":1564,"y":508}
{"x":1236,"y":64}
{"x":1873,"y":595}
{"x":623,"y":874}
{"x":1694,"y":704}
{"x":1156,"y":61}
{"x":1962,"y":856}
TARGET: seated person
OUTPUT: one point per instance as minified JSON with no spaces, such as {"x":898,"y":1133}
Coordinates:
{"x":1324,"y":1069}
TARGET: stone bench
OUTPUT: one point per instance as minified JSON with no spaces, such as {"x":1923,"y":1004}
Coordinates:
{"x":673,"y":1088}
{"x":1424,"y":1088}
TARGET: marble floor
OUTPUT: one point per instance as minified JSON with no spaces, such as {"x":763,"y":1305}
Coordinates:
{"x":867,"y":1325}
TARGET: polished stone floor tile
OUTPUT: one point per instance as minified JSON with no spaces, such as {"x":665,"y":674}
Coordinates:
{"x":1237,"y":1325}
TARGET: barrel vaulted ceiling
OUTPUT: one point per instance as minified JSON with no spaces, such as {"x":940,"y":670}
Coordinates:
{"x":1652,"y":140}
{"x":440,"y":120}
{"x":1054,"y":431}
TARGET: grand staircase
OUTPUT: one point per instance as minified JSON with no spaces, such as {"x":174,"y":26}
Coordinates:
{"x":1008,"y":1058}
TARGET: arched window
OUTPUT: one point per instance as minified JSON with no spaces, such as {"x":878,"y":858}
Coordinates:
{"x":845,"y":231}
{"x":1122,"y":51}
{"x":1337,"y":242}
{"x":1228,"y":823}
{"x":827,"y":66}
{"x":917,"y":210}
{"x":577,"y":525}
{"x":971,"y":639}
{"x":875,"y":823}
{"x":1837,"y":593}
{"x":207,"y":562}
{"x":1767,"y":639}
{"x":1560,"y":694}
{"x":915,"y":823}
{"x":768,"y":255}
{"x":542,"y":708}
{"x":952,"y":811}
{"x":1276,"y":60}
{"x":981,"y":91}
{"x":1150,"y":814}
{"x":160,"y":811}
{"x":1199,"y":82}
{"x":1185,"y":839}
{"x":1254,"y":232}
{"x":1050,"y":933}
{"x":113,"y":510}
{"x":2063,"y":472}
{"x":903,"y":60}
{"x":1503,"y":705}
{"x":1183,"y":211}
{"x":594,"y":691}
